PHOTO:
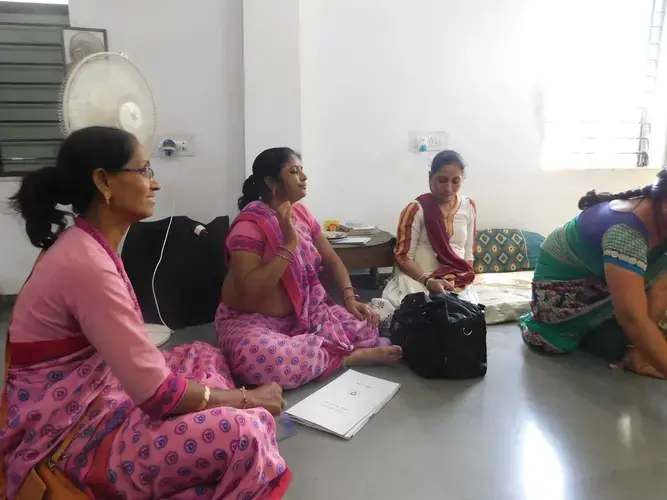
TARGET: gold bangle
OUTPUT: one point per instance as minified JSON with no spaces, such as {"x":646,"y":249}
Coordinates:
{"x":244,"y":396}
{"x":288,"y":251}
{"x":283,"y":257}
{"x":207,"y":397}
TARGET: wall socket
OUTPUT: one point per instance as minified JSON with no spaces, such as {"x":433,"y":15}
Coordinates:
{"x":435,"y":141}
{"x":186,"y":146}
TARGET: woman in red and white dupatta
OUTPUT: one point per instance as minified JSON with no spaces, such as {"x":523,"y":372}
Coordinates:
{"x":435,"y":238}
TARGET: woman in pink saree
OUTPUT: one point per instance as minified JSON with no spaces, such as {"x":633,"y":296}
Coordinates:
{"x":145,"y":424}
{"x":276,"y":322}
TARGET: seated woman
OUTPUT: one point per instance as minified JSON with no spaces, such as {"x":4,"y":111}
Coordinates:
{"x":276,"y":322}
{"x":86,"y":392}
{"x":436,"y":232}
{"x":600,"y":281}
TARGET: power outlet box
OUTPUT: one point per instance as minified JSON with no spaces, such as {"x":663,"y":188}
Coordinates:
{"x":434,"y":141}
{"x":185,"y":146}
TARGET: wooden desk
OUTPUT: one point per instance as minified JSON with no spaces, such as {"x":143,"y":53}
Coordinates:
{"x":377,"y":253}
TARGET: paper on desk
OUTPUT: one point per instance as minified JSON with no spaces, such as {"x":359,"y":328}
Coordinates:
{"x":354,"y":240}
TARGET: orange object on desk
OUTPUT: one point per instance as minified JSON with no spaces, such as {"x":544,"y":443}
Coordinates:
{"x":331,"y":225}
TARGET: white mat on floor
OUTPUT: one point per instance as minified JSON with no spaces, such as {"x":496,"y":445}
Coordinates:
{"x":505,"y":295}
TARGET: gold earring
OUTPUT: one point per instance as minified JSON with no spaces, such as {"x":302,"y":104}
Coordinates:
{"x":107,"y":196}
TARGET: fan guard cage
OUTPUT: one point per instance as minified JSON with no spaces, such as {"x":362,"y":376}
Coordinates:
{"x":108,"y":89}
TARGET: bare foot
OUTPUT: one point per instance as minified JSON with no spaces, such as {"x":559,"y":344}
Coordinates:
{"x":375,"y":356}
{"x":633,"y":361}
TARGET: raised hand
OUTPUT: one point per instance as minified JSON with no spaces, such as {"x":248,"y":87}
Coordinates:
{"x":285,"y":214}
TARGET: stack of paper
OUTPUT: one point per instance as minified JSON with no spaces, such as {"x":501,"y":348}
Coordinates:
{"x":343,"y":406}
{"x":357,"y":228}
{"x":353,"y":240}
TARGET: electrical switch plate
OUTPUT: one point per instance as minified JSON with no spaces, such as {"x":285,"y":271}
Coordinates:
{"x":435,"y":141}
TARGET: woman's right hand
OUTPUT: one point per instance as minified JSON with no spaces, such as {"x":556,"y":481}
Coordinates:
{"x":439,"y":286}
{"x":285,"y":214}
{"x":268,"y":396}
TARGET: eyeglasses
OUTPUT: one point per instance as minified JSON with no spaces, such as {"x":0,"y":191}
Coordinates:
{"x":145,"y":171}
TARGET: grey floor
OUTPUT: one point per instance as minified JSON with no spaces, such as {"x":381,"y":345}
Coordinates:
{"x":537,"y":428}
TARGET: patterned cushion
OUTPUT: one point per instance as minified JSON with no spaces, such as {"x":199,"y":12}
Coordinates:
{"x":500,"y":251}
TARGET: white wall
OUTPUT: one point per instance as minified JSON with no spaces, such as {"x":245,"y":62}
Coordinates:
{"x":272,"y":72}
{"x":374,"y":70}
{"x":192,"y":55}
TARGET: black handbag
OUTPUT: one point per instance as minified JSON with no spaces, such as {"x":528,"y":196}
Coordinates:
{"x":442,"y":336}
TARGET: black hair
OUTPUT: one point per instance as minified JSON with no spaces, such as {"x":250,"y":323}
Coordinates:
{"x":447,"y":157}
{"x":656,"y":191}
{"x":268,"y":164}
{"x":70,"y":182}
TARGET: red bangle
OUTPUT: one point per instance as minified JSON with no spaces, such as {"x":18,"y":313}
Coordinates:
{"x":355,"y":297}
{"x":342,"y":291}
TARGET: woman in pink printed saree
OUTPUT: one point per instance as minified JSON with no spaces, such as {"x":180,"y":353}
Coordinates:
{"x":276,"y":322}
{"x":152,"y":424}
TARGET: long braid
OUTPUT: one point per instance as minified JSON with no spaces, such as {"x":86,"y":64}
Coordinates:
{"x":655,"y":191}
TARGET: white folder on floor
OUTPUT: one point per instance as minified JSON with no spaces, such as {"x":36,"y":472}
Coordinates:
{"x":345,"y":405}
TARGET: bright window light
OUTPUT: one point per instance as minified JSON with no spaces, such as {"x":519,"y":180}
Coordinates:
{"x":61,"y":2}
{"x":599,"y":72}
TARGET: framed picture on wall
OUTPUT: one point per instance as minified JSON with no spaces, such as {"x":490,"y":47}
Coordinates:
{"x":79,"y":43}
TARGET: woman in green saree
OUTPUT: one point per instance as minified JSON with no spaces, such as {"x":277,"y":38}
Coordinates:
{"x":600,"y":282}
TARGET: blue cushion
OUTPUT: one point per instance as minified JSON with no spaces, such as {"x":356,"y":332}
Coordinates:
{"x":533,"y":243}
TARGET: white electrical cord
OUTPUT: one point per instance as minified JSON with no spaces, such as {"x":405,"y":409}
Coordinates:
{"x":164,"y":244}
{"x":164,"y":335}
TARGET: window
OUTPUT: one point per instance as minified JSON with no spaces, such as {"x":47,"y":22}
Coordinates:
{"x":602,"y":107}
{"x":31,"y":72}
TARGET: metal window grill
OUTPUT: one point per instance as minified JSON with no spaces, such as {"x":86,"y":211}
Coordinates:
{"x":598,"y":116}
{"x":652,"y":60}
{"x":31,"y":72}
